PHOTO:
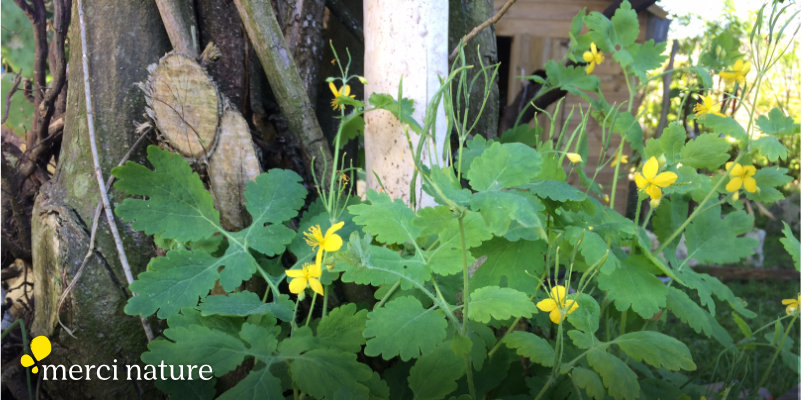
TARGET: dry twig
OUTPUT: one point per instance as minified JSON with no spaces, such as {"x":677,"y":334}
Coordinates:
{"x":96,"y":161}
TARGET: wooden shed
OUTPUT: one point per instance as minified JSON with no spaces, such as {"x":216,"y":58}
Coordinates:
{"x":535,"y":31}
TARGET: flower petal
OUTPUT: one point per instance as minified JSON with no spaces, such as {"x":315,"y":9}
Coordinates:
{"x":346,"y":90}
{"x":334,"y":228}
{"x":590,"y":68}
{"x":297,"y":285}
{"x":558,"y":294}
{"x":295,"y":273}
{"x":547,"y":305}
{"x":571,"y":306}
{"x":556,"y":316}
{"x":750,"y":184}
{"x":333,"y":88}
{"x":316,"y":286}
{"x":654,"y":191}
{"x":789,"y":301}
{"x":749,"y":170}
{"x":640,"y":181}
{"x":313,"y":270}
{"x":736,"y":170}
{"x":587,"y":56}
{"x":734,"y":184}
{"x":650,"y":168}
{"x":332,"y":243}
{"x":665,"y":179}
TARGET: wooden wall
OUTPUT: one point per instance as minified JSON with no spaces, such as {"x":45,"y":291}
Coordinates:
{"x":539,"y":32}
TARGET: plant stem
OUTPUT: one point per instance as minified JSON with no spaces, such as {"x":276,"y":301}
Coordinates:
{"x":387,"y":295}
{"x":311,"y":308}
{"x":465,"y":278}
{"x":776,"y":353}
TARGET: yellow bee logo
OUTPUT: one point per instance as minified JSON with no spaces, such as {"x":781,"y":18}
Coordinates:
{"x":40,"y":347}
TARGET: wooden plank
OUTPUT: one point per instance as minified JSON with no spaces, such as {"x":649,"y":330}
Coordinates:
{"x":745,"y":274}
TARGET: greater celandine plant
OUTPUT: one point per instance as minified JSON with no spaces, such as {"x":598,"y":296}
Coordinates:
{"x":515,"y":283}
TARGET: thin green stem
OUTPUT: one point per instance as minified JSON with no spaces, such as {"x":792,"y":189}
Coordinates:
{"x":776,"y":353}
{"x":465,"y":278}
{"x":325,"y":301}
{"x":471,"y":386}
{"x":311,"y":308}
{"x":387,"y":295}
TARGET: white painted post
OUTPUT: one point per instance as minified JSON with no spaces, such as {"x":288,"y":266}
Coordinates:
{"x":408,"y":39}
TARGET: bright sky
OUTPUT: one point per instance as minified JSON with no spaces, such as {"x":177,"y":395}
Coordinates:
{"x":707,"y":10}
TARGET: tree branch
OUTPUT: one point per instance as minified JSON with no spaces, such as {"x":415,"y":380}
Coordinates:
{"x":178,"y":18}
{"x":282,"y":73}
{"x":481,"y":27}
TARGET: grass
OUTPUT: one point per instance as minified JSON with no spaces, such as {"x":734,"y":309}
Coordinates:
{"x":748,"y":364}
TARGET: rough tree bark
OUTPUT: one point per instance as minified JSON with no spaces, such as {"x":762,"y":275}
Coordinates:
{"x":64,"y":208}
{"x":402,"y":40}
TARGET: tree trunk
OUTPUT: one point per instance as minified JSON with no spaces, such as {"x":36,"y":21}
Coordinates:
{"x":464,"y":16}
{"x":124,"y":37}
{"x":403,"y":40}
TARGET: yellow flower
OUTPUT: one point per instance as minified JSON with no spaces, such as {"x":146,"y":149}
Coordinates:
{"x":557,"y":305}
{"x":575,"y":158}
{"x":738,"y":72}
{"x":307,"y":276}
{"x":707,"y":106}
{"x":652,"y":183}
{"x":622,"y":159}
{"x":593,"y":57}
{"x":344,"y":91}
{"x":741,"y":176}
{"x":792,"y":305}
{"x":328,"y":242}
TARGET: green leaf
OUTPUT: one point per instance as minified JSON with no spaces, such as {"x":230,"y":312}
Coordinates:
{"x":656,"y":349}
{"x":531,"y":346}
{"x":589,"y":381}
{"x":699,"y":319}
{"x":510,"y":264}
{"x":323,"y":372}
{"x":581,"y":339}
{"x":444,"y":187}
{"x":498,"y":303}
{"x":587,"y":315}
{"x":573,"y":80}
{"x":707,"y":285}
{"x":172,"y":282}
{"x":242,"y":304}
{"x":259,"y":384}
{"x":503,"y":166}
{"x":500,"y":209}
{"x":791,"y":244}
{"x":706,"y":151}
{"x":712,"y":239}
{"x":768,"y":179}
{"x":668,"y":217}
{"x":555,"y":190}
{"x":402,"y":111}
{"x":625,"y":25}
{"x":670,"y":144}
{"x":776,"y":123}
{"x":390,"y":221}
{"x":197,"y":345}
{"x":771,"y":148}
{"x":18,"y":46}
{"x":434,"y":375}
{"x":20,"y":110}
{"x":178,"y":206}
{"x":273,"y":198}
{"x":593,"y":248}
{"x":725,"y":125}
{"x":261,"y":338}
{"x":342,"y":328}
{"x":620,"y":381}
{"x":366,"y":264}
{"x":646,"y":57}
{"x":403,"y":327}
{"x":523,"y":133}
{"x":352,"y":127}
{"x":446,"y":257}
{"x":633,"y":286}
